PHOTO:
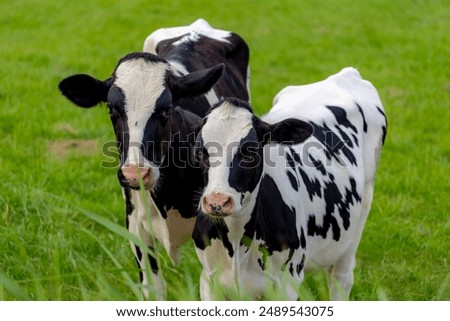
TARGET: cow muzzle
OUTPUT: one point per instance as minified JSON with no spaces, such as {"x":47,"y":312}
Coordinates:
{"x":133,"y":175}
{"x":217,"y":205}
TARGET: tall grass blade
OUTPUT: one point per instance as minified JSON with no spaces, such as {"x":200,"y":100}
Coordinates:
{"x":132,"y":285}
{"x":13,"y":288}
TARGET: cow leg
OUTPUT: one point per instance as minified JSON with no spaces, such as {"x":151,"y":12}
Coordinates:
{"x":205,"y":287}
{"x":146,"y":262}
{"x":153,"y":283}
{"x":340,"y":281}
{"x":157,"y":282}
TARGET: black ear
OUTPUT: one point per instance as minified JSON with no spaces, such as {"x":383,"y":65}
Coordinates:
{"x":289,"y":131}
{"x":84,"y":90}
{"x":196,"y":83}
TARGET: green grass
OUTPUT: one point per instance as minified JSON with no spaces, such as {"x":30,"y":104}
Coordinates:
{"x":52,"y":244}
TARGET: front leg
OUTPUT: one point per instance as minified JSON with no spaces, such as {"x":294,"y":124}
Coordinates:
{"x":205,"y":288}
{"x":216,"y":279}
{"x":152,"y":280}
{"x":156,"y":287}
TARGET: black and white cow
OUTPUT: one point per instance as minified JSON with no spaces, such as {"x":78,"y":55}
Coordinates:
{"x":290,"y":191}
{"x":152,"y":97}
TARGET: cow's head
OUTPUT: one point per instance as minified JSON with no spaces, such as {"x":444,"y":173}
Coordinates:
{"x":229,"y":148}
{"x":141,"y":95}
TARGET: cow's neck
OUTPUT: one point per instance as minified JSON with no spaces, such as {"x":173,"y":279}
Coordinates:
{"x":180,"y":183}
{"x":264,"y":220}
{"x":241,"y":227}
{"x":238,"y":222}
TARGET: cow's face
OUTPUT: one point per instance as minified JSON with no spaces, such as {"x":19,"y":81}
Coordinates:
{"x":229,"y":148}
{"x":140,"y":95}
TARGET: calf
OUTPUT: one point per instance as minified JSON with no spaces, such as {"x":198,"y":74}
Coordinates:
{"x":288,"y":192}
{"x":152,"y":97}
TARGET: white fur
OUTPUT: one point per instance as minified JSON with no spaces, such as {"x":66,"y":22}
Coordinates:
{"x":142,"y":82}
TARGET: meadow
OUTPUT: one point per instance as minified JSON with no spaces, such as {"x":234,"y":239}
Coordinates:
{"x":62,"y":213}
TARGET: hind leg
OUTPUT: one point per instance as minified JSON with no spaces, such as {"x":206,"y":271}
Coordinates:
{"x":341,"y":278}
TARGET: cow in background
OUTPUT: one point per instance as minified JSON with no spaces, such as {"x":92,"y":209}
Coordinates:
{"x":289,"y":192}
{"x":152,"y":97}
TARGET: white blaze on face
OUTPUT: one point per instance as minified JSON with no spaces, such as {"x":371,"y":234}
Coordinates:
{"x":225,"y":127}
{"x":142,"y":82}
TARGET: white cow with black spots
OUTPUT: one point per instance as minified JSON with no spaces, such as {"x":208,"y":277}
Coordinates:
{"x":289,"y":192}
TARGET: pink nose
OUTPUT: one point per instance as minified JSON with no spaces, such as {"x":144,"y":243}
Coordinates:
{"x":217,"y":204}
{"x":133,"y":173}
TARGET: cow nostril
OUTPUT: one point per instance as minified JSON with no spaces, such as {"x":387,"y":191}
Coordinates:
{"x":145,"y":172}
{"x":132,"y":174}
{"x":227,"y":202}
{"x":218,"y":204}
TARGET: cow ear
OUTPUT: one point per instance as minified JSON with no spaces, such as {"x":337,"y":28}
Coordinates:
{"x":196,"y":83}
{"x":84,"y":90}
{"x":289,"y":131}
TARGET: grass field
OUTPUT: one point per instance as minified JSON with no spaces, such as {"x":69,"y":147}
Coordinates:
{"x":52,"y":243}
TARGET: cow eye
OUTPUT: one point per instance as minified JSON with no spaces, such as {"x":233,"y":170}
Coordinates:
{"x":165,"y":113}
{"x":200,"y":157}
{"x":113,"y":113}
{"x":248,"y":158}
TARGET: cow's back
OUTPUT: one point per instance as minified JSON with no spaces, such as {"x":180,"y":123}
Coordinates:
{"x":162,"y":34}
{"x":200,"y":46}
{"x":331,"y":170}
{"x":346,"y":90}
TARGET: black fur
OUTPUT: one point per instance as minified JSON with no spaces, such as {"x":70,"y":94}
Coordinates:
{"x":363,"y":118}
{"x":383,"y":128}
{"x":84,"y":90}
{"x":335,"y":203}
{"x":207,"y":229}
{"x":272,"y":221}
{"x":247,"y":164}
{"x":333,"y":144}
